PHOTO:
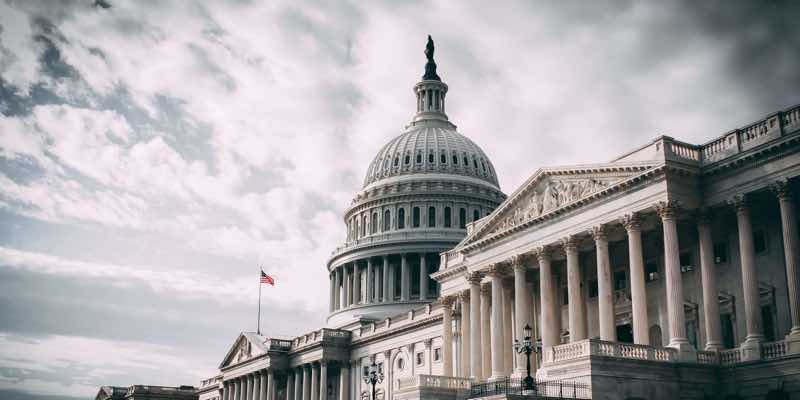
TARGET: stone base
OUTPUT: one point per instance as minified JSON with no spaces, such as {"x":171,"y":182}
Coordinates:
{"x":751,"y":350}
{"x":686,"y":352}
{"x":793,"y":343}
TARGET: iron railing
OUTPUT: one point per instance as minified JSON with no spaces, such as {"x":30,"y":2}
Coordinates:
{"x":555,"y":389}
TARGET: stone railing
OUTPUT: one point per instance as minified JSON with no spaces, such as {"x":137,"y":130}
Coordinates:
{"x":435,"y":381}
{"x":454,"y":234}
{"x":730,"y":356}
{"x":321,"y":335}
{"x":594,"y":347}
{"x":708,"y":357}
{"x":278,"y":344}
{"x":773,"y":350}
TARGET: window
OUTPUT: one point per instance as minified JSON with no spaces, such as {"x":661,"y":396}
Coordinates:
{"x":442,"y":159}
{"x":466,"y":162}
{"x":430,"y":158}
{"x":407,"y":159}
{"x":420,"y":358}
{"x":455,"y":159}
{"x":401,"y":218}
{"x":396,"y":160}
{"x":387,"y":220}
{"x":447,"y":218}
{"x":374,"y":223}
{"x":593,"y":288}
{"x":760,"y":241}
{"x":720,"y":253}
{"x":651,"y":271}
{"x":686,"y":261}
{"x":728,"y":337}
{"x":691,"y":332}
{"x":401,"y":363}
{"x":620,"y":280}
{"x":483,"y":164}
{"x":474,"y":163}
{"x":768,"y":323}
{"x":476,"y":215}
{"x":462,"y":218}
{"x":437,"y":354}
{"x":431,"y":217}
{"x":419,"y":158}
{"x":415,"y":217}
{"x":364,"y":227}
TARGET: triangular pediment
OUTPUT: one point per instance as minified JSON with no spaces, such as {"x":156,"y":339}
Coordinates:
{"x":247,"y":345}
{"x":552,"y":190}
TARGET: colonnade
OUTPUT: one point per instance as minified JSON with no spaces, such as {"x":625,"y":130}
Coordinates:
{"x":305,"y":382}
{"x":487,"y":352}
{"x":258,"y":385}
{"x":380,"y":281}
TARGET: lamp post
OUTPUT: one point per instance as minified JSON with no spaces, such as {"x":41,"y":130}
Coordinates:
{"x":373,"y":374}
{"x":527,"y":346}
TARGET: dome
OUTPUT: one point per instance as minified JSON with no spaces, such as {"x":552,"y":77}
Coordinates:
{"x":427,"y":149}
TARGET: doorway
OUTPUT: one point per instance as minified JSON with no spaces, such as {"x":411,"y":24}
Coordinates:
{"x":625,"y":333}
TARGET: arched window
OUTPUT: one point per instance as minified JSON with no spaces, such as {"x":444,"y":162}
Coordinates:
{"x":358,"y":227}
{"x":415,"y":217}
{"x":430,"y":158}
{"x":401,"y":218}
{"x":396,"y":160}
{"x":483,"y":164}
{"x":442,"y":159}
{"x":466,"y":162}
{"x":419,"y":158}
{"x":475,"y":164}
{"x":448,"y":222}
{"x":455,"y":159}
{"x":476,"y":215}
{"x":408,"y":159}
{"x":462,"y":218}
{"x":364,"y":227}
{"x":431,"y":217}
{"x":374,"y":223}
{"x":387,"y":220}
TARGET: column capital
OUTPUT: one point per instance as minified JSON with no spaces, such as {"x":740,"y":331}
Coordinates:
{"x":542,"y":253}
{"x":740,"y":202}
{"x":474,"y":277}
{"x":782,"y":189}
{"x":517,"y":262}
{"x":486,"y":288}
{"x":428,"y":342}
{"x":667,"y":209}
{"x":464,"y":295}
{"x":631,"y":222}
{"x":569,"y":243}
{"x":599,"y":232}
{"x":447,"y":301}
{"x":496,"y":270}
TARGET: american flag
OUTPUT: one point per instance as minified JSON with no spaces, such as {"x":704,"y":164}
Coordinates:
{"x":267,"y":279}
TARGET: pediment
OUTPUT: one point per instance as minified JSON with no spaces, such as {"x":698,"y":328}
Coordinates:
{"x":551,"y":190}
{"x":245,"y":347}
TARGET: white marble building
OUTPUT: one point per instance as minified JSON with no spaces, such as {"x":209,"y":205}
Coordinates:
{"x":670,"y":271}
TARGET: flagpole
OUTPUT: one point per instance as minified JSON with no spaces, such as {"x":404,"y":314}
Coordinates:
{"x":258,"y":329}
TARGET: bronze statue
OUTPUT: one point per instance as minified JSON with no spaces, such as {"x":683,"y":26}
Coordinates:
{"x":430,"y":66}
{"x":429,"y":49}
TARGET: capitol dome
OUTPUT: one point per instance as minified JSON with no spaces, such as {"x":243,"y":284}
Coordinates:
{"x":421,"y":191}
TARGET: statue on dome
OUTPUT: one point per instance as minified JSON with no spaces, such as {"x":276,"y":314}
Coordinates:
{"x":430,"y":66}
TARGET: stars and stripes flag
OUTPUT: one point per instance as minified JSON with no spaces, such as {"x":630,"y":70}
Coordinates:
{"x":267,"y":279}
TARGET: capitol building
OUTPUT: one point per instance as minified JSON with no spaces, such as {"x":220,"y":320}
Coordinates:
{"x":668,"y":272}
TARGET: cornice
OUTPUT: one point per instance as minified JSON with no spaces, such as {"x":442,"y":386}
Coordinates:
{"x":445,"y":274}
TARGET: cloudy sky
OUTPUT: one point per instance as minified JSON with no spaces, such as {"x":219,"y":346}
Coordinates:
{"x":152,"y":154}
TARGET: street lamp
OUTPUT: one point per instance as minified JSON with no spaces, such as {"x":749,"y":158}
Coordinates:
{"x":526,"y":346}
{"x":373,"y":374}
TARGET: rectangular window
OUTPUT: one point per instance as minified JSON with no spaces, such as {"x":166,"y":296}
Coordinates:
{"x":726,"y":323}
{"x":760,"y":241}
{"x":651,"y":271}
{"x":686,"y":261}
{"x":721,"y":253}
{"x":768,"y":323}
{"x":415,"y":217}
{"x":420,"y":358}
{"x":437,"y":354}
{"x":593,"y":288}
{"x":462,"y":218}
{"x":620,"y":280}
{"x":448,"y":218}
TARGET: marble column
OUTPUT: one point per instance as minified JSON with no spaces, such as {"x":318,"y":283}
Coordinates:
{"x":225,"y":391}
{"x":250,"y":385}
{"x":392,"y":282}
{"x":368,"y":282}
{"x":522,"y":310}
{"x":405,"y":278}
{"x":256,"y":395}
{"x":338,"y":295}
{"x":465,"y":327}
{"x":790,"y":250}
{"x":234,"y":383}
{"x":547,"y":291}
{"x":314,"y":381}
{"x":486,"y":333}
{"x":298,"y":384}
{"x":577,"y":319}
{"x":386,"y":297}
{"x":423,"y":277}
{"x":751,"y":349}
{"x":306,"y":382}
{"x":346,"y":286}
{"x":475,"y":357}
{"x":377,"y":283}
{"x":290,"y":385}
{"x":323,"y":380}
{"x":331,"y":293}
{"x":674,"y":283}
{"x":270,"y":385}
{"x":709,"y":282}
{"x":344,"y":381}
{"x":496,"y":273}
{"x":633,"y":228}
{"x":356,"y":283}
{"x":605,"y":288}
{"x":447,"y":336}
{"x":508,"y":323}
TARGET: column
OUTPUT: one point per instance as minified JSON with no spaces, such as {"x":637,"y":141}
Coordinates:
{"x":306,"y":382}
{"x":314,"y":381}
{"x":547,"y":291}
{"x":344,"y":381}
{"x":447,"y":336}
{"x":577,"y":320}
{"x":423,"y":277}
{"x":225,"y":390}
{"x":605,"y":288}
{"x":270,"y":388}
{"x":709,"y":282}
{"x":496,"y":276}
{"x":323,"y":380}
{"x":346,"y":286}
{"x":338,"y":272}
{"x":368,"y":281}
{"x":386,"y":279}
{"x":486,"y":334}
{"x":257,"y":387}
{"x":290,"y":385}
{"x":391,"y":282}
{"x":405,"y":279}
{"x":752,"y":308}
{"x":332,"y":302}
{"x":236,"y":389}
{"x":674,"y":284}
{"x":508,"y":333}
{"x":790,"y":250}
{"x":356,"y":283}
{"x":250,"y":384}
{"x":522,"y":311}
{"x":466,"y":326}
{"x":475,"y":357}
{"x":633,"y":228}
{"x":377,"y":284}
{"x":298,"y":384}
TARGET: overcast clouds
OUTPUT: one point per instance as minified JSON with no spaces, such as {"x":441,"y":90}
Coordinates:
{"x":151,"y":154}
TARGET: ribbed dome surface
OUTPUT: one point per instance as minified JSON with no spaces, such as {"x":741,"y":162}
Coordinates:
{"x":431,"y":150}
